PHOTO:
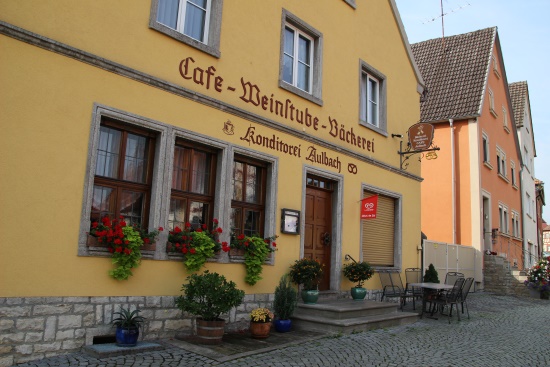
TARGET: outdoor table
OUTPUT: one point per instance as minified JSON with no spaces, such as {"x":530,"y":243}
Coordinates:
{"x":429,"y":286}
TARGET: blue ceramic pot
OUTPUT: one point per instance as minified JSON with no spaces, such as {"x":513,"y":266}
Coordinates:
{"x":283,"y":326}
{"x":127,"y":337}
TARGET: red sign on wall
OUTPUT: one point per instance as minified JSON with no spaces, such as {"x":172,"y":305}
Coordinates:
{"x":368,"y":207}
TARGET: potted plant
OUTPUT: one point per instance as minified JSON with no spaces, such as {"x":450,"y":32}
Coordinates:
{"x":307,"y":273}
{"x":256,"y":250}
{"x":284,"y":304}
{"x":124,"y":242}
{"x":260,"y":322}
{"x":128,"y":323}
{"x":196,"y":244}
{"x":358,"y":272}
{"x":207,"y":296}
{"x":538,"y":278}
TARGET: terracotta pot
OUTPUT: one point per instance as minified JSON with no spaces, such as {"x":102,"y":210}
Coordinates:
{"x":260,"y":330}
{"x":210,"y":332}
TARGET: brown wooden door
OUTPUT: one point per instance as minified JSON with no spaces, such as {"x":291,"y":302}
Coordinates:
{"x":318,"y":226}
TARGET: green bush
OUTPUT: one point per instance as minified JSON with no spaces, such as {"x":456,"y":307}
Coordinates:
{"x":285,"y":298}
{"x":208,"y":295}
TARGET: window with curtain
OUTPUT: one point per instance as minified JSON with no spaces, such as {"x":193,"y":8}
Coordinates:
{"x":197,"y":23}
{"x":193,"y":184}
{"x":123,"y":173}
{"x":248,"y":201}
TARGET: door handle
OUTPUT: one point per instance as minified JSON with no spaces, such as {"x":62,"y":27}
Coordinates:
{"x":325,"y":239}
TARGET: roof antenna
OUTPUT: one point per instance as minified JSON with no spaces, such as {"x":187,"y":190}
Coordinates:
{"x":442,"y":27}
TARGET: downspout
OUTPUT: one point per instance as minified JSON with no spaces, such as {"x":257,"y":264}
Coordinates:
{"x":453,"y":179}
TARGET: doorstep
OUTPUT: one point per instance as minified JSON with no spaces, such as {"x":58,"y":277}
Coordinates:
{"x":112,"y":350}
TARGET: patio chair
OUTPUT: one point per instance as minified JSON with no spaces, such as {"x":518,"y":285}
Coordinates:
{"x":465,"y":291}
{"x":451,"y":277}
{"x":392,"y":286}
{"x":413,"y":275}
{"x":450,"y":298}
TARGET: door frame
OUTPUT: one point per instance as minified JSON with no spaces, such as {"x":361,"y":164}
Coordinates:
{"x":336,"y":230}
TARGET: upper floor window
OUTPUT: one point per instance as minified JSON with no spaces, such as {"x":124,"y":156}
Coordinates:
{"x":505,"y":119}
{"x":193,"y":183}
{"x":503,"y":217}
{"x":513,"y":172}
{"x":515,"y":224}
{"x":495,"y":66}
{"x":194,"y":22}
{"x":301,"y":58}
{"x":123,"y":173}
{"x":501,"y":162}
{"x":492,"y":102}
{"x":372,"y":104}
{"x":249,"y":191}
{"x":486,"y":155}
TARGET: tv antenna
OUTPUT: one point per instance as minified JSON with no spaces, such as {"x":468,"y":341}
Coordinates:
{"x":442,"y":16}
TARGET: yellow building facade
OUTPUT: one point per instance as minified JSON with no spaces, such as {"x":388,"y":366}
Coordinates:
{"x":301,"y":96}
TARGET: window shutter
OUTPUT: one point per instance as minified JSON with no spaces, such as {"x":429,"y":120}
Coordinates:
{"x":378,"y":234}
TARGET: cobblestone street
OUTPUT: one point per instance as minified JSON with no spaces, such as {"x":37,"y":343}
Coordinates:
{"x":502,"y":331}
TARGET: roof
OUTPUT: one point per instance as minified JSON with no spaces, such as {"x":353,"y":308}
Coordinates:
{"x":455,"y":79}
{"x":518,"y":93}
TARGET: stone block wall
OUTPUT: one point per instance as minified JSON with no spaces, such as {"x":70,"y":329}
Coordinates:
{"x":37,"y":327}
{"x":501,"y":278}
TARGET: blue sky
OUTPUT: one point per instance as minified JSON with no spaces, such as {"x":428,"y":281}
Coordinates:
{"x":524,"y":32}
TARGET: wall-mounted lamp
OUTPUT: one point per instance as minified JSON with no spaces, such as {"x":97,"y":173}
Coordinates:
{"x":396,"y":135}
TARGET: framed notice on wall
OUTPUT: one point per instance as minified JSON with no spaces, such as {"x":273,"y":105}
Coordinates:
{"x":290,"y":221}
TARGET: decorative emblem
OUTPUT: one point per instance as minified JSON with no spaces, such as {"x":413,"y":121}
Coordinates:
{"x":352,"y":168}
{"x":228,"y":128}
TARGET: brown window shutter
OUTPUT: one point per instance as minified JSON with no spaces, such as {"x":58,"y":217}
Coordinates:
{"x":378,"y":234}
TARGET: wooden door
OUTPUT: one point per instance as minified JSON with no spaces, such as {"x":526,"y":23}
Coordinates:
{"x":318,"y":230}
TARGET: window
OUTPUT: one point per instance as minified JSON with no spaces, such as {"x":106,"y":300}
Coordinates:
{"x":381,"y":238}
{"x":513,"y":172}
{"x":193,"y":183}
{"x":503,"y":217}
{"x":301,"y":58}
{"x":123,"y":173}
{"x":515,"y":224}
{"x":495,"y":66}
{"x":528,"y":203}
{"x":492,"y":103}
{"x":372,"y":112}
{"x":501,"y":162}
{"x":486,"y":155}
{"x":505,"y":119}
{"x":248,"y":202}
{"x":196,"y":23}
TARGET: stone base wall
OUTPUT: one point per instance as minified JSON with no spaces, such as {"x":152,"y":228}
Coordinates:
{"x":501,"y":278}
{"x":37,"y":327}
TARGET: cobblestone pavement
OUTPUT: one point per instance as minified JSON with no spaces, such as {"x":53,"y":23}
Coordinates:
{"x":502,"y":331}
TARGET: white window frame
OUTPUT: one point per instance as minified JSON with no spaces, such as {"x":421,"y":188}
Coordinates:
{"x":492,"y":102}
{"x":515,"y":224}
{"x":503,"y":218}
{"x":486,"y":151}
{"x":297,"y":34}
{"x":501,"y":162}
{"x":505,"y":119}
{"x":212,"y":27}
{"x":513,"y":172}
{"x":301,"y":28}
{"x":366,"y":74}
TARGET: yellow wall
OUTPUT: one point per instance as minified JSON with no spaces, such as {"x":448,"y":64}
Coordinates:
{"x":46,"y":117}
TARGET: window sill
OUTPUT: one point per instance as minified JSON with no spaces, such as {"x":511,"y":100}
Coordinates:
{"x":373,"y":128}
{"x":185,"y":39}
{"x":515,"y":186}
{"x":493,"y":112}
{"x":503,"y":177}
{"x":488,"y":165}
{"x":301,"y":93}
{"x":506,"y":129}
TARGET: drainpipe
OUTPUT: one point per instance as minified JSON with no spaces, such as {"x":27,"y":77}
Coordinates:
{"x":453,"y":178}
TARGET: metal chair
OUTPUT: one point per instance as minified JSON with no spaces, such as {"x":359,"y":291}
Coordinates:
{"x":465,"y":291}
{"x":392,"y":286}
{"x":450,"y":298}
{"x":413,"y":275}
{"x":451,"y":277}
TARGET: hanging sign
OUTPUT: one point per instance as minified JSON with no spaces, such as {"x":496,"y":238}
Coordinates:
{"x":368,"y":207}
{"x":421,"y":136}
